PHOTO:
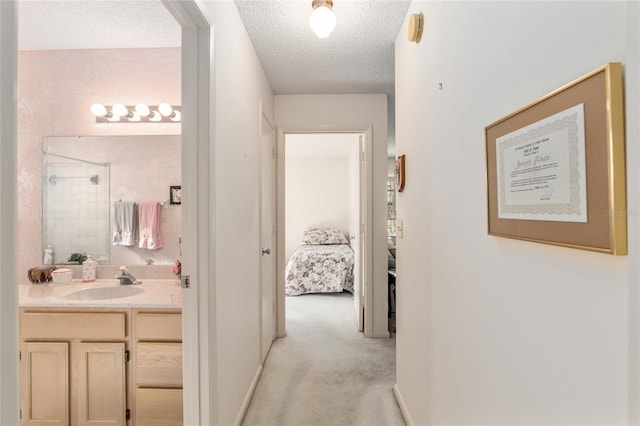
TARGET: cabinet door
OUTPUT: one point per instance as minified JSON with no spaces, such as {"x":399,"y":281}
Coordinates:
{"x":45,"y":383}
{"x":101,"y":384}
{"x":158,"y":407}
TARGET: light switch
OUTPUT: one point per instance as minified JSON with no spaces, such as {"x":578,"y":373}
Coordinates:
{"x":399,"y":228}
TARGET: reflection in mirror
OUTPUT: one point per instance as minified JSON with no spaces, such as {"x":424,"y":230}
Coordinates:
{"x":83,"y":178}
{"x":75,"y":208}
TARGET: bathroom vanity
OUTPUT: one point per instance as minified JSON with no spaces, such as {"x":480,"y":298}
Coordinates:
{"x":101,"y":353}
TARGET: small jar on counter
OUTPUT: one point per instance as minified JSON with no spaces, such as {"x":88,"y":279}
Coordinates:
{"x":89,"y":269}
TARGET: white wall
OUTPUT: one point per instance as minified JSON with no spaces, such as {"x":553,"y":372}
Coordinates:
{"x":632,"y":105}
{"x":492,"y":330}
{"x":317,"y":197}
{"x":355,"y":112}
{"x":240,"y":84}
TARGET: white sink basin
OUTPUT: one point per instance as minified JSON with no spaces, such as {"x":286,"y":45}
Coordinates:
{"x":102,"y":293}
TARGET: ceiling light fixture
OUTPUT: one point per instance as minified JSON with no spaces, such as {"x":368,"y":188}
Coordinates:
{"x":141,"y":113}
{"x":322,"y":20}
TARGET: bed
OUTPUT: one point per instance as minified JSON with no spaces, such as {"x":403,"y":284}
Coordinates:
{"x":322,"y":264}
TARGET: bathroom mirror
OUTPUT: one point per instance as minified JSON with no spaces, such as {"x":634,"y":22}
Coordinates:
{"x":82,"y":178}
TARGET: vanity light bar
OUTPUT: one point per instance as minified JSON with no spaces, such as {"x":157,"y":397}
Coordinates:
{"x":141,"y":113}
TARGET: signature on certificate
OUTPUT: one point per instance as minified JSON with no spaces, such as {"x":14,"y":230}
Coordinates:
{"x":546,"y":196}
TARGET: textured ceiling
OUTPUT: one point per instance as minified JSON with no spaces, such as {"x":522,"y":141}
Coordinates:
{"x":95,"y":24}
{"x":358,"y":57}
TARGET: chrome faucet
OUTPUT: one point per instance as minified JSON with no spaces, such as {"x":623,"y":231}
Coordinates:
{"x":125,"y":277}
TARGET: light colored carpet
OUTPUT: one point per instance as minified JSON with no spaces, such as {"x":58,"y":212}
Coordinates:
{"x":324,"y":372}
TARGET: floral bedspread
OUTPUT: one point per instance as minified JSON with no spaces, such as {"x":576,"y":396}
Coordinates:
{"x":320,"y":269}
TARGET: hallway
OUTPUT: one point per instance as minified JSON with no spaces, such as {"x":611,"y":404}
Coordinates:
{"x":324,"y":372}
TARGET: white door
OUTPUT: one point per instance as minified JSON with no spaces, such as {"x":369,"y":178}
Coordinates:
{"x":267,"y":238}
{"x":359,"y":244}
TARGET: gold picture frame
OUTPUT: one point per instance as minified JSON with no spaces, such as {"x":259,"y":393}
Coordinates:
{"x":601,"y":224}
{"x":399,"y":173}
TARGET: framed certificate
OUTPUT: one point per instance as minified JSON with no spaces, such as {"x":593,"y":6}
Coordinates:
{"x":556,"y":168}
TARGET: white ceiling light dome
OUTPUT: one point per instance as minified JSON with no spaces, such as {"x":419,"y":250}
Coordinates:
{"x":322,"y":20}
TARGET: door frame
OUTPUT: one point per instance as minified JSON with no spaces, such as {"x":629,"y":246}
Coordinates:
{"x":263,"y":117}
{"x":199,"y":323}
{"x":198,"y":106}
{"x":9,"y":363}
{"x":281,"y":261}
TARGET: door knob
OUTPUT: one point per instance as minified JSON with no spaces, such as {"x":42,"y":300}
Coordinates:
{"x":266,"y":251}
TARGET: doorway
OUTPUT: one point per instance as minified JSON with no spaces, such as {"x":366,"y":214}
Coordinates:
{"x":198,"y":53}
{"x":298,"y":153}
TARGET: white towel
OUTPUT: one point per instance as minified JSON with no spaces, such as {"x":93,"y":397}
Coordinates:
{"x":149,"y":221}
{"x":125,"y":221}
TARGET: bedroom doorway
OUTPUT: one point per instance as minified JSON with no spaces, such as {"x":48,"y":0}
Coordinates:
{"x":323,"y":175}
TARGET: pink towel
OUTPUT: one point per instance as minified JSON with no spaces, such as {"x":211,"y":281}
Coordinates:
{"x":149,"y":225}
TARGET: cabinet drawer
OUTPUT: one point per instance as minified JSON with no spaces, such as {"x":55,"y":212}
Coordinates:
{"x":74,"y":325}
{"x":158,"y":407}
{"x":158,"y":326}
{"x":159,"y":364}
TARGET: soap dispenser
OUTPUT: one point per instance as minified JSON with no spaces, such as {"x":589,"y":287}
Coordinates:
{"x":89,"y":269}
{"x":48,"y":256}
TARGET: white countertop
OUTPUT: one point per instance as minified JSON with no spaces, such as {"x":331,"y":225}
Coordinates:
{"x":152,"y":293}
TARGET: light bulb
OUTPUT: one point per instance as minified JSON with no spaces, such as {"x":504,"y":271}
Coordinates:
{"x":175,"y":116}
{"x":143,"y":110}
{"x":165,"y":109}
{"x":154,"y":116}
{"x":98,"y":110}
{"x":322,"y":21}
{"x":134,"y":116}
{"x":119,"y":110}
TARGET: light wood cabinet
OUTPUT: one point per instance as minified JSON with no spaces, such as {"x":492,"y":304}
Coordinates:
{"x":45,"y":383}
{"x":74,"y":367}
{"x":158,"y":326}
{"x":159,"y":364}
{"x":107,"y":367}
{"x":157,"y":340}
{"x":74,"y":325}
{"x":102,"y":384}
{"x":158,"y":407}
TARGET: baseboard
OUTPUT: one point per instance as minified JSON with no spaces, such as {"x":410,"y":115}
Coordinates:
{"x":380,"y":335}
{"x":247,"y":399}
{"x":403,"y":408}
{"x":375,"y":333}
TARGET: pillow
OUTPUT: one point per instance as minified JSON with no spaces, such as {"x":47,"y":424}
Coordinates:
{"x":324,"y":236}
